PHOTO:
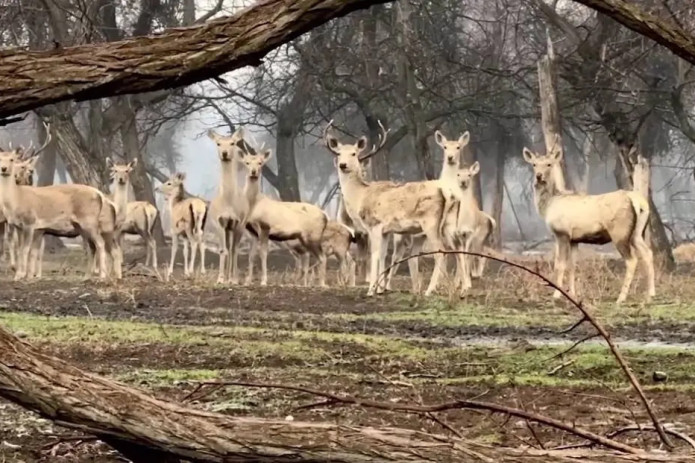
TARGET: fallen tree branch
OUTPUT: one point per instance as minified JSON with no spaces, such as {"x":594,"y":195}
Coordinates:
{"x":453,"y":405}
{"x":586,"y":313}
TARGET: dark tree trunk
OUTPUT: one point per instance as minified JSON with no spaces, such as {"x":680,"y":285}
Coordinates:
{"x":287,"y":179}
{"x":175,"y":58}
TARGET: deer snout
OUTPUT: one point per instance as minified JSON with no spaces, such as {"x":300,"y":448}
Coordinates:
{"x":539,"y":178}
{"x":343,"y":166}
{"x":464,"y":184}
{"x":451,"y":160}
{"x":4,"y":170}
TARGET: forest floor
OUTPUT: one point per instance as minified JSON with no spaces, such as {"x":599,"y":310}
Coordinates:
{"x":501,"y":344}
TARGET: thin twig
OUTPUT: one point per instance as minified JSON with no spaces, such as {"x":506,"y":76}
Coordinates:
{"x":585,"y":312}
{"x":573,"y":346}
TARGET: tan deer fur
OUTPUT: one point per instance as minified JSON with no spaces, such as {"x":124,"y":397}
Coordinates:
{"x":386,"y":208}
{"x":620,"y":217}
{"x":279,"y":220}
{"x":476,"y":225}
{"x":188,"y":217}
{"x":134,"y":217}
{"x":336,"y":241}
{"x":57,"y":209}
{"x":229,"y":208}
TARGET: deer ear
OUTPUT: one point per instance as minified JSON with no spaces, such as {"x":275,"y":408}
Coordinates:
{"x":475,"y":168}
{"x":267,"y":154}
{"x":439,"y":137}
{"x":556,"y":154}
{"x":109,"y":163}
{"x":362,"y":143}
{"x":133,"y":163}
{"x":332,"y":142}
{"x":528,"y":155}
{"x":239,"y":133}
{"x":33,"y":160}
{"x":464,"y":139}
{"x":181,"y":176}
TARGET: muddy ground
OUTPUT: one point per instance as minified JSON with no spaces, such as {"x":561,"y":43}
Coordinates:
{"x":501,"y":344}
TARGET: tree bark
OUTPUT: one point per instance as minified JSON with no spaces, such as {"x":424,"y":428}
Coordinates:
{"x":174,"y":58}
{"x":550,"y":109}
{"x":668,"y":34}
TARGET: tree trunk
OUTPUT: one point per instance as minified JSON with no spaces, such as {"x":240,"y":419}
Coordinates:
{"x":174,"y":58}
{"x":287,"y":180}
{"x":498,"y":197}
{"x":550,"y":110}
{"x":142,"y":186}
{"x":82,"y":165}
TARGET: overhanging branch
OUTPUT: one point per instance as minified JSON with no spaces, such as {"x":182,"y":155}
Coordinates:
{"x":177,"y":57}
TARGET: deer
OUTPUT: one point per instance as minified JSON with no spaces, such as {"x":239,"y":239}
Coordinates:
{"x":188,"y":217}
{"x":478,"y":225}
{"x":229,"y":208}
{"x":279,"y":220}
{"x":620,"y":217}
{"x":135,"y":217}
{"x":384,"y":208}
{"x":56,"y":209}
{"x":336,"y":241}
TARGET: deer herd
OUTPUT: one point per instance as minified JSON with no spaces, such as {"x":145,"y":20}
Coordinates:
{"x":433,"y":215}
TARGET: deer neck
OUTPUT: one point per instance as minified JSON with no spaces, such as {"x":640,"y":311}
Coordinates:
{"x":120,"y":197}
{"x":176,"y":198}
{"x":8,"y":193}
{"x":252,"y":190}
{"x":228,"y":180}
{"x":352,"y":186}
{"x":544,"y":194}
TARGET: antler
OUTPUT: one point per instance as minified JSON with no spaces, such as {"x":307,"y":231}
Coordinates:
{"x":376,"y":148}
{"x":48,"y":139}
{"x":325,"y":137}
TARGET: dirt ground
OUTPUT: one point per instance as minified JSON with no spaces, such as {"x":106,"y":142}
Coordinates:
{"x":503,"y":343}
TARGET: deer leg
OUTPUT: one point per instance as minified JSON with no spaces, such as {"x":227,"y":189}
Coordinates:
{"x":13,"y":235}
{"x":629,"y":253}
{"x":253,"y":250}
{"x":647,"y":258}
{"x":306,"y":267}
{"x":237,"y":233}
{"x":376,"y":242}
{"x":223,"y":253}
{"x":33,"y":254}
{"x":573,"y":267}
{"x":186,"y":256}
{"x":200,"y":237}
{"x":100,"y":251}
{"x":414,"y":265}
{"x":26,"y":237}
{"x":433,"y":237}
{"x":399,"y":248}
{"x":561,"y":256}
{"x":263,"y":237}
{"x":174,"y":250}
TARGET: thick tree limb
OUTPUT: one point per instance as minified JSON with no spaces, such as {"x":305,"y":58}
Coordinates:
{"x":174,"y":58}
{"x":670,"y":35}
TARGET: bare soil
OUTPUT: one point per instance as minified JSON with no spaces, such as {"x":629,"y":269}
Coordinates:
{"x":598,"y":407}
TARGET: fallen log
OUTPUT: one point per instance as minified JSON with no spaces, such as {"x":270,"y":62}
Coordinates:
{"x":174,"y":58}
